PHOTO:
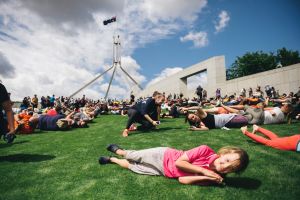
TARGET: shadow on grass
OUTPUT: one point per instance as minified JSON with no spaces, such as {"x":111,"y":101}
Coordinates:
{"x":243,"y":182}
{"x":26,"y":158}
{"x":14,"y":143}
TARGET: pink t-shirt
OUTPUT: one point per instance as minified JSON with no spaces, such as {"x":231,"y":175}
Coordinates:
{"x":52,"y":112}
{"x":200,"y":156}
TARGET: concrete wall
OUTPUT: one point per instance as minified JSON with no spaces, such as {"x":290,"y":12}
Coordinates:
{"x":286,"y":79}
{"x":177,"y":83}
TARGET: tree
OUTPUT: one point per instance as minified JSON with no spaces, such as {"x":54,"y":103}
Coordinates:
{"x":286,"y":57}
{"x":252,"y":63}
{"x":256,"y":62}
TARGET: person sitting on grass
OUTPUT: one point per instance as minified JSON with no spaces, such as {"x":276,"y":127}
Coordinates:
{"x":201,"y":120}
{"x":144,"y":112}
{"x":200,"y":165}
{"x":290,"y":143}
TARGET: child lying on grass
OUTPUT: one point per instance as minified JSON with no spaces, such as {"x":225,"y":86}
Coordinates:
{"x":200,"y":165}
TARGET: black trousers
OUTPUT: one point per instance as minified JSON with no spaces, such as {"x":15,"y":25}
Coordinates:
{"x":135,"y":116}
{"x":3,"y":126}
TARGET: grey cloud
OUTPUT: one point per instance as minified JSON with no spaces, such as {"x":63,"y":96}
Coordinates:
{"x":77,"y":12}
{"x":44,"y":80}
{"x":6,"y":69}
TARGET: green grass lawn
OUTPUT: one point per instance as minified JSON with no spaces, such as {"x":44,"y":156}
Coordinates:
{"x":64,"y":165}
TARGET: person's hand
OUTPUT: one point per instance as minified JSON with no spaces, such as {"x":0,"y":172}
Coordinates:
{"x":218,"y":180}
{"x":155,"y":123}
{"x":214,"y":175}
{"x":20,"y":122}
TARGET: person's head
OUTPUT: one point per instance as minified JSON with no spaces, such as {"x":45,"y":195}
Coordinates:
{"x":231,"y":159}
{"x":193,"y":119}
{"x":58,"y":108}
{"x":159,"y":98}
{"x":287,"y":108}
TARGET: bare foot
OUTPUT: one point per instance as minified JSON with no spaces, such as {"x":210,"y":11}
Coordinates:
{"x":244,"y":129}
{"x":125,"y":133}
{"x":255,"y":128}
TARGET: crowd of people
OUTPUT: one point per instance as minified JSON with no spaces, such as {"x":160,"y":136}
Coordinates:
{"x":200,"y":165}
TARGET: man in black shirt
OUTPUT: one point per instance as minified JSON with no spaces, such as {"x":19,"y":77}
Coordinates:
{"x":6,"y":105}
{"x":145,"y":112}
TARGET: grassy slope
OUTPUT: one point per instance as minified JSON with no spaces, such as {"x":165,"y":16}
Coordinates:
{"x":63,"y":165}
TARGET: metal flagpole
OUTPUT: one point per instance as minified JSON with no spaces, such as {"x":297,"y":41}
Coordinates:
{"x":90,"y":82}
{"x":130,"y":77}
{"x":111,"y":78}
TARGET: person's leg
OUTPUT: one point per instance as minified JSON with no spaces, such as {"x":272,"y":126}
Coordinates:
{"x":143,"y":156}
{"x":266,"y":132}
{"x":132,"y":114}
{"x":254,"y":137}
{"x":146,"y":125}
{"x":254,"y":115}
{"x":121,"y":162}
{"x":147,"y":161}
{"x":237,"y":121}
{"x":151,"y":159}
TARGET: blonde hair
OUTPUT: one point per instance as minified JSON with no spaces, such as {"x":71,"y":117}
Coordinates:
{"x":240,"y":164}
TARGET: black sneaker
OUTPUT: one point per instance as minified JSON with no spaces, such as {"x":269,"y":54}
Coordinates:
{"x":9,"y":138}
{"x":113,"y":148}
{"x":103,"y":160}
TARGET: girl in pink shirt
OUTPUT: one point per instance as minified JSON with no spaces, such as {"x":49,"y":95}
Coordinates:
{"x":200,"y":165}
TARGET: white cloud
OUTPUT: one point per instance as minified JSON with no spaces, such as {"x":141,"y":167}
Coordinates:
{"x":164,"y":74}
{"x":223,"y":21}
{"x":199,"y":39}
{"x":169,"y":10}
{"x":56,"y":49}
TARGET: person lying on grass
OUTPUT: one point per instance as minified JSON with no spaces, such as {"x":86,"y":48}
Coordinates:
{"x":200,"y":165}
{"x":290,"y":143}
{"x":202,"y":121}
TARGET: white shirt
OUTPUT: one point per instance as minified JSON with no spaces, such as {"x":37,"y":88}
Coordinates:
{"x":274,"y":119}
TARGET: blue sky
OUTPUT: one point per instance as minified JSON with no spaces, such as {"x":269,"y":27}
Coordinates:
{"x":57,"y":46}
{"x":254,"y":25}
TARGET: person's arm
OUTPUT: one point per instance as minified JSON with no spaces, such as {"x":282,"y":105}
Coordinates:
{"x":183,"y":164}
{"x":18,"y":119}
{"x":202,"y":128}
{"x":189,"y":108}
{"x":69,"y":116}
{"x":199,"y":180}
{"x":154,"y":123}
{"x":10,"y":116}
